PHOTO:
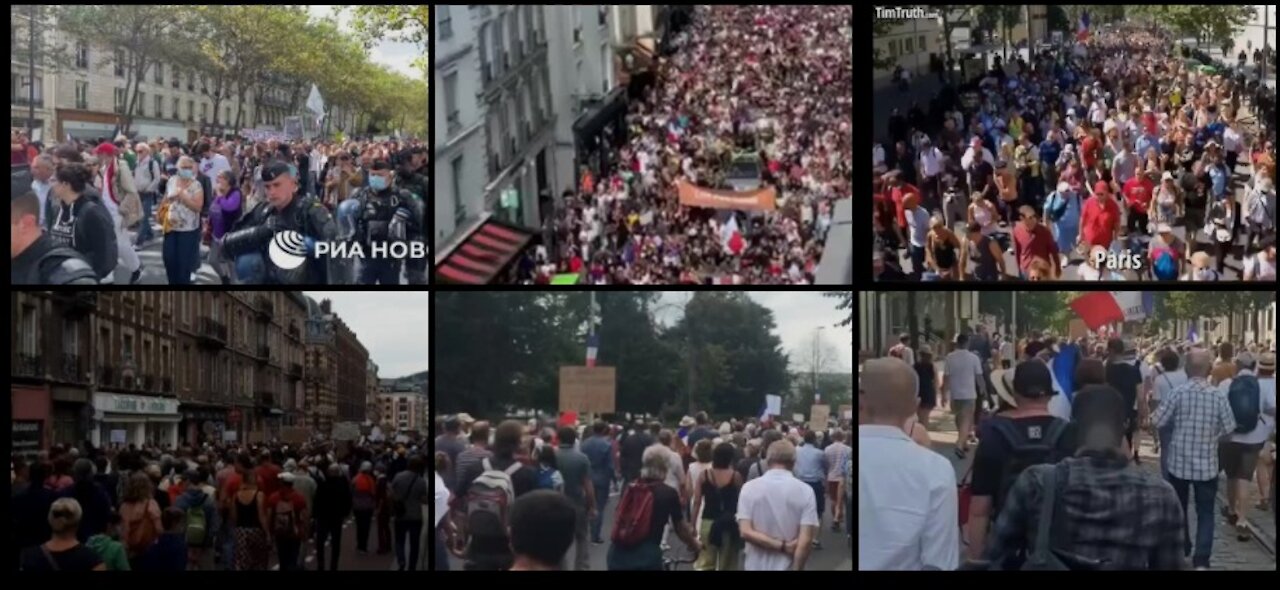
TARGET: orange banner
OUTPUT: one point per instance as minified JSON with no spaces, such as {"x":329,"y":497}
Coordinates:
{"x":758,"y":200}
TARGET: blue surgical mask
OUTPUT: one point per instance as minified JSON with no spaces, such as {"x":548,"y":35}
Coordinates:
{"x":187,"y":174}
{"x":377,"y":183}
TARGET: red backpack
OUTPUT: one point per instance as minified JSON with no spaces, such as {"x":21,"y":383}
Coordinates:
{"x":635,"y":514}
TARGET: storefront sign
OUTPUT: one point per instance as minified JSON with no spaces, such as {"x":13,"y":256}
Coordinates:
{"x":135,"y":404}
{"x":27,"y":438}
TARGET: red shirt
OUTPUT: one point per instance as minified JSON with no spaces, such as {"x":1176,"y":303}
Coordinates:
{"x":899,"y":193}
{"x":1098,"y":222}
{"x":268,"y":478}
{"x":1137,"y":193}
{"x":1090,"y":152}
{"x":1036,"y":243}
{"x":232,"y":485}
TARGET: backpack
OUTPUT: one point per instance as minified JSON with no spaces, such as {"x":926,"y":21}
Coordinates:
{"x":1023,"y":453}
{"x":197,"y":525}
{"x":635,"y":514}
{"x":1042,"y":555}
{"x":489,"y":498}
{"x":1057,"y":208}
{"x":1245,"y":403}
{"x":547,"y":478}
{"x":1164,"y":265}
{"x":142,"y":533}
{"x":284,"y":519}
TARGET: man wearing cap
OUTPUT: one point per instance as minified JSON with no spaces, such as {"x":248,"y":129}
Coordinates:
{"x":285,"y":211}
{"x":378,"y":216}
{"x":1027,"y":424}
{"x":1100,"y":219}
{"x":287,"y":520}
{"x":1138,"y":191}
{"x":1167,"y":253}
{"x":1239,"y":452}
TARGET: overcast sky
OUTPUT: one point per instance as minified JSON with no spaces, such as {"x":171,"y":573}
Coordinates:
{"x":392,"y":325}
{"x":394,"y":54}
{"x":798,"y":314}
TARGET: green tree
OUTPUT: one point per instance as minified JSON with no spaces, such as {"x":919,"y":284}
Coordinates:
{"x":846,"y":304}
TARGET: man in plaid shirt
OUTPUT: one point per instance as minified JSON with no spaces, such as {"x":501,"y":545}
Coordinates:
{"x":1110,"y":514}
{"x":1200,"y":415}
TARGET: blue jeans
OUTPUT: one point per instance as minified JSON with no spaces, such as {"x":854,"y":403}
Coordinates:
{"x":1166,"y":437}
{"x":1206,"y":496}
{"x":819,"y":494}
{"x":917,"y":259}
{"x":410,"y":531}
{"x":228,"y":549}
{"x":145,"y":234}
{"x":602,"y":500}
{"x":181,"y":253}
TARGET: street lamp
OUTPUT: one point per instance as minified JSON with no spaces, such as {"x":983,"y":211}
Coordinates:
{"x":817,"y":360}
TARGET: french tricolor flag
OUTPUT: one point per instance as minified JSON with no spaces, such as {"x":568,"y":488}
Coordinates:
{"x":593,"y":348}
{"x":1100,"y":308}
{"x":1082,"y":32}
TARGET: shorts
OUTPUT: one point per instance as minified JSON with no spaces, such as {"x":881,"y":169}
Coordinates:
{"x":833,"y":490}
{"x":963,"y":407}
{"x":1239,"y":459}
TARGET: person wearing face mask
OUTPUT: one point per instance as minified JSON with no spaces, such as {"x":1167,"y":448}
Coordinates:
{"x":35,"y":258}
{"x":380,"y":215}
{"x":284,"y":210}
{"x":81,"y":222}
{"x":180,"y":219}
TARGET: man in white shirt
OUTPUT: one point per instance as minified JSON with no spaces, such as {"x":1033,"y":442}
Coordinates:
{"x":42,"y":170}
{"x":778,"y":515}
{"x":907,"y":505}
{"x":877,"y":157}
{"x":930,"y":168}
{"x":961,"y":380}
{"x":1240,"y":452}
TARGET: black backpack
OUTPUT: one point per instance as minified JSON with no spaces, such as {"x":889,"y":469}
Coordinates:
{"x":1243,"y":395}
{"x":1024,"y":453}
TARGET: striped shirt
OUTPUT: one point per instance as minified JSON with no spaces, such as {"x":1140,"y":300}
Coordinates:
{"x":837,"y":454}
{"x":1200,"y":415}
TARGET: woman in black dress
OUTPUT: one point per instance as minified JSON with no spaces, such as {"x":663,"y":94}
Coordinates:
{"x":927,"y":377}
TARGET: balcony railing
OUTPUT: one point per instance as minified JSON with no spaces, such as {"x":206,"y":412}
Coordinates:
{"x":71,"y":368}
{"x":265,"y":308}
{"x":212,"y":333}
{"x":29,"y":365}
{"x":106,"y":376}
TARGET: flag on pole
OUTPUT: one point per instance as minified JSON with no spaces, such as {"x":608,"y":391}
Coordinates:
{"x":1192,"y":334}
{"x":1082,"y":32}
{"x":593,"y":347}
{"x":1136,"y":305}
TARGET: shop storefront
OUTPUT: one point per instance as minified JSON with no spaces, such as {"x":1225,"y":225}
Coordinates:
{"x":135,"y":420}
{"x":202,"y":424}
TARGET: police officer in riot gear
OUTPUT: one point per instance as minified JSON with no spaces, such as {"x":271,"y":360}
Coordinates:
{"x":412,"y":176}
{"x":386,"y":214}
{"x":259,"y":261}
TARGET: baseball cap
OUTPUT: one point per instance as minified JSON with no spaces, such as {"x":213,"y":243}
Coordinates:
{"x":1032,"y":379}
{"x":274,"y":170}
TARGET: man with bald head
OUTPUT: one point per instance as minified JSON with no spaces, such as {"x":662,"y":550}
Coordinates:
{"x":907,"y":508}
{"x":1200,"y":414}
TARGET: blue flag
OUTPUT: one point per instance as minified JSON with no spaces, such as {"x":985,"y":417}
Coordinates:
{"x":1064,"y":368}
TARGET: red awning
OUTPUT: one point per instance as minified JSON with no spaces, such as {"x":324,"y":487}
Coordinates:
{"x":483,"y":254}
